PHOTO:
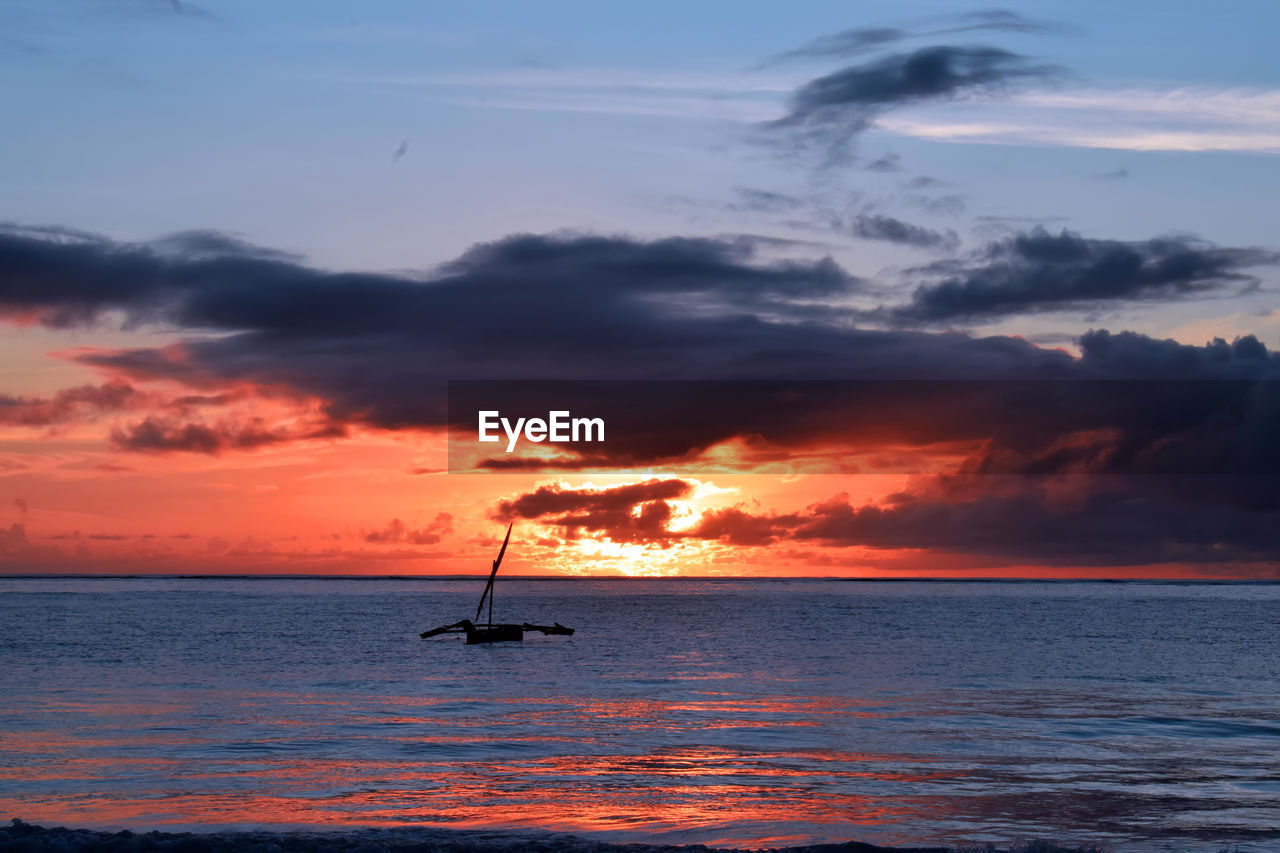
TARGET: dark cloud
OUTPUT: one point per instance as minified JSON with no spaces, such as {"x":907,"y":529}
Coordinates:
{"x":1132,"y":354}
{"x":1098,"y":522}
{"x":160,"y":435}
{"x":65,"y":282}
{"x":876,"y":227}
{"x":890,"y":162}
{"x":1006,"y":20}
{"x":820,"y":213}
{"x":397,"y":532}
{"x":630,"y":513}
{"x":828,"y":112}
{"x":1038,"y":271}
{"x":559,"y":500}
{"x":847,"y":214}
{"x":93,"y":402}
{"x":750,"y":200}
{"x":862,"y":40}
{"x":14,"y":539}
{"x":206,"y":243}
{"x":725,"y":267}
{"x":928,"y":74}
{"x":580,"y":460}
{"x":738,"y":526}
{"x":71,"y":404}
{"x":378,"y":348}
{"x":851,"y":42}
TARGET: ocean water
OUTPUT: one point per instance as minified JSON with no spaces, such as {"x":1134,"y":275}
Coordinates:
{"x":752,"y":713}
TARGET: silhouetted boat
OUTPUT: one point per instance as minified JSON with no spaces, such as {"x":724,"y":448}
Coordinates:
{"x":490,"y":632}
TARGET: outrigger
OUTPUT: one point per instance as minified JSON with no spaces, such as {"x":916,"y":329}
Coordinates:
{"x":488,"y":632}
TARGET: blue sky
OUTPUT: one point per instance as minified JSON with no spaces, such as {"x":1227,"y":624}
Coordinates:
{"x":278,"y":122}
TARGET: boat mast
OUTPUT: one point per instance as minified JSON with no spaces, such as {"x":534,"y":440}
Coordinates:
{"x":488,"y":588}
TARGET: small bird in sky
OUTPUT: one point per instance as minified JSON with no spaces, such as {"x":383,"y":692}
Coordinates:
{"x":400,"y":151}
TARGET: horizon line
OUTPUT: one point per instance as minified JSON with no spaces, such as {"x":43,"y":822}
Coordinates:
{"x":731,"y":578}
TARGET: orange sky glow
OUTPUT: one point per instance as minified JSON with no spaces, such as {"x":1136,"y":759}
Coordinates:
{"x":295,"y":499}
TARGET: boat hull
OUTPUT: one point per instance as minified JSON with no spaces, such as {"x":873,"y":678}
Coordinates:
{"x":477,"y":634}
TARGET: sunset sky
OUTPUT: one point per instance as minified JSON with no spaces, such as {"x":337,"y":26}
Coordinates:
{"x":244,"y":248}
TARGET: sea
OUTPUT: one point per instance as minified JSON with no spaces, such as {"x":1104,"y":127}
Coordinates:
{"x":751,"y":713}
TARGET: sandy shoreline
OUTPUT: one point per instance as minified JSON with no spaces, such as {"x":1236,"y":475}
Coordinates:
{"x":21,"y":837}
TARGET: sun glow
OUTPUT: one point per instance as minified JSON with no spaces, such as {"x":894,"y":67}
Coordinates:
{"x":635,"y":560}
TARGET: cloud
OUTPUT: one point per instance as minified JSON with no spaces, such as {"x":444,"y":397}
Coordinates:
{"x":845,"y":43}
{"x":1097,"y":521}
{"x":158,"y":434}
{"x":64,"y":278}
{"x":951,"y":204}
{"x":629,"y":513}
{"x":889,"y":162}
{"x":72,"y":404}
{"x":14,"y":539}
{"x":738,"y":526}
{"x":207,"y":244}
{"x":927,"y":74}
{"x":1122,"y":118}
{"x":877,"y":227}
{"x":1037,"y":271}
{"x":68,"y":282}
{"x":377,"y":349}
{"x":1104,"y":522}
{"x":397,"y":532}
{"x":681,"y":94}
{"x":828,"y":112}
{"x":1128,"y":119}
{"x":862,"y":40}
{"x":750,"y":200}
{"x":843,"y":216}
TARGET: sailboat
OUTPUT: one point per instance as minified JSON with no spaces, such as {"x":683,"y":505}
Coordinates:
{"x":491,"y":632}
